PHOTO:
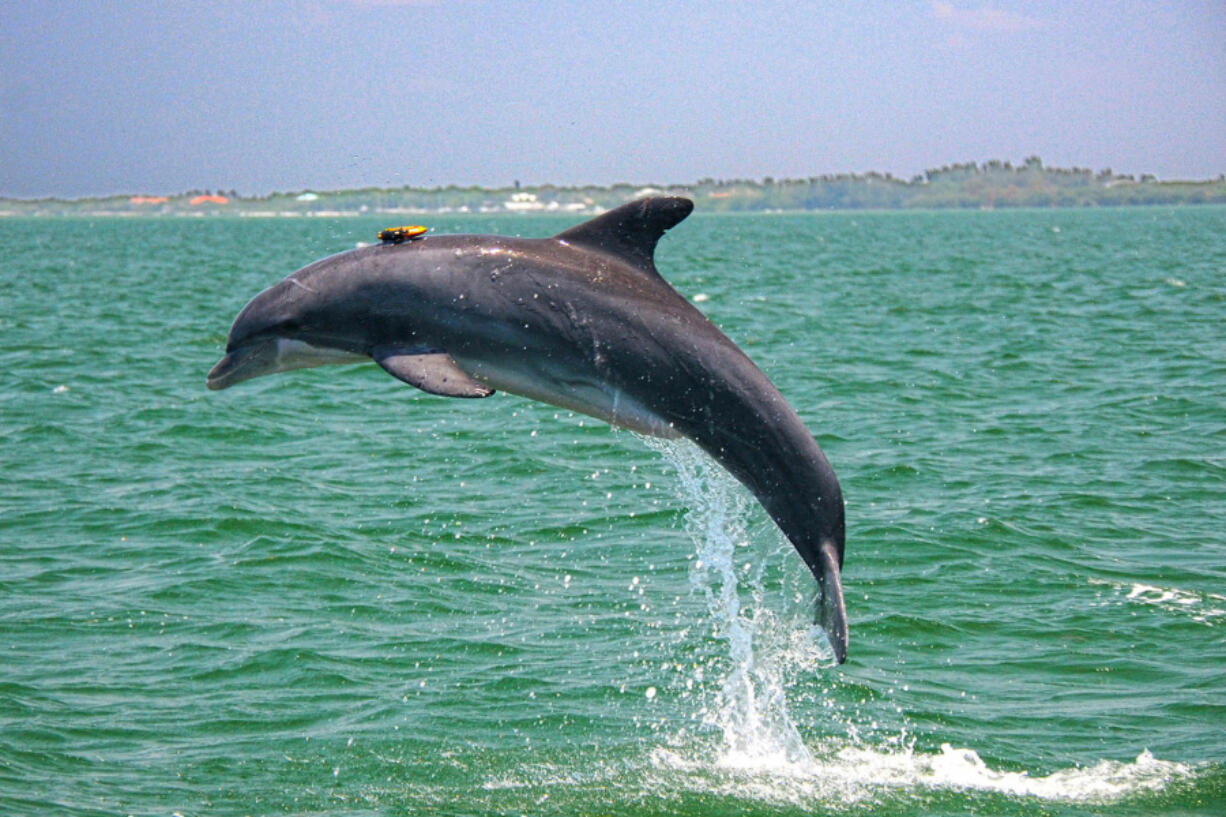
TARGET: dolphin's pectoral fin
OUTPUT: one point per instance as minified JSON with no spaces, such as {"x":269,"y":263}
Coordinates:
{"x":429,"y":370}
{"x":831,"y":611}
{"x":631,"y":231}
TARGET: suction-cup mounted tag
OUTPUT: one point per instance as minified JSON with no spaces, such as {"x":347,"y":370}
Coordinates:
{"x":399,"y":235}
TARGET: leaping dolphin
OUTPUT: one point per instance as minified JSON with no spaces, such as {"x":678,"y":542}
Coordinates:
{"x":582,"y":320}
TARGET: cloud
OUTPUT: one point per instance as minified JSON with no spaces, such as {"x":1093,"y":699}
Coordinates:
{"x":986,"y":18}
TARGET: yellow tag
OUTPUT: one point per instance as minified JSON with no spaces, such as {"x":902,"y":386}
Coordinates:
{"x":398,"y":235}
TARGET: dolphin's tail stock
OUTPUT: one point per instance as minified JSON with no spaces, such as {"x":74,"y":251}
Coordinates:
{"x":831,"y":612}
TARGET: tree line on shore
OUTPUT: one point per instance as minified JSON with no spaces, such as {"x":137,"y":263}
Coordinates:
{"x":990,"y":185}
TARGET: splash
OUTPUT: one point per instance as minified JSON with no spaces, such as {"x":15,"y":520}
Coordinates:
{"x":762,"y":755}
{"x":764,"y":649}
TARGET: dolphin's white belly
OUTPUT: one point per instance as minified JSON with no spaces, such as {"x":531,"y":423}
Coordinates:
{"x":558,"y":385}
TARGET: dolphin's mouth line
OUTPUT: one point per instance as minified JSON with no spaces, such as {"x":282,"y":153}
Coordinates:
{"x":272,"y":355}
{"x":237,"y":363}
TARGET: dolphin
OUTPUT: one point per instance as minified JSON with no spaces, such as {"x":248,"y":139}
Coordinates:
{"x":582,"y":320}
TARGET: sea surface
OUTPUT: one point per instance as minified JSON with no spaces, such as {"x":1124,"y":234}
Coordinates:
{"x":328,"y":593}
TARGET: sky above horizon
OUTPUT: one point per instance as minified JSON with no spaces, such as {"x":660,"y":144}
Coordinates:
{"x":164,"y":97}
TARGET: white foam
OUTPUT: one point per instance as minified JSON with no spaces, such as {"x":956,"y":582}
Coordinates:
{"x":853,"y":774}
{"x":847,"y":776}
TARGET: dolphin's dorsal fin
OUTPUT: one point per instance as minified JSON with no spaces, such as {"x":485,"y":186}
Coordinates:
{"x":429,"y":370}
{"x":631,"y":232}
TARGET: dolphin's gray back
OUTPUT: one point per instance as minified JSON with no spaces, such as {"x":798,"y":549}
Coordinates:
{"x":548,"y":318}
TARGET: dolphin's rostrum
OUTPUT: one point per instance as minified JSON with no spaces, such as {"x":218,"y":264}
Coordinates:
{"x":582,"y":320}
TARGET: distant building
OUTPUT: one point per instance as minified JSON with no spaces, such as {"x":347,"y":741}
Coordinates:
{"x":199,"y":200}
{"x":308,"y":197}
{"x":148,"y":200}
{"x":523,"y":202}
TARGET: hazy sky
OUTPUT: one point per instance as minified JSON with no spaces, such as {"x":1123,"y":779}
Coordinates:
{"x":131,"y":96}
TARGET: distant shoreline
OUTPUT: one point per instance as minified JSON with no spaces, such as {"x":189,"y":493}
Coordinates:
{"x":987,"y":186}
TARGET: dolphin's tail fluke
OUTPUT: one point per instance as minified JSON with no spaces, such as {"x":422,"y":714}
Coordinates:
{"x":831,"y":612}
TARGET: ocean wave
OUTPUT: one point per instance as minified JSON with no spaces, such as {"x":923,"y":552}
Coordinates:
{"x":1205,"y":608}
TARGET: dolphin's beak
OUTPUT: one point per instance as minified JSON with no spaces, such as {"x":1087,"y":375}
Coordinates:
{"x":832,"y":613}
{"x":244,"y":363}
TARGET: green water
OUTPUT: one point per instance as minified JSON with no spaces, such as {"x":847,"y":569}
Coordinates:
{"x":327,"y":593}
